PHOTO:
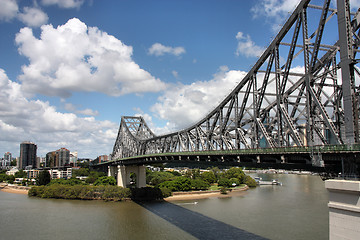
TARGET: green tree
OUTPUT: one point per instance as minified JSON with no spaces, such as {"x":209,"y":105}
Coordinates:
{"x":179,"y":184}
{"x":250,"y":181}
{"x":80,"y":172}
{"x":43,"y":178}
{"x":155,"y":178}
{"x":217,"y":172}
{"x":20,"y":174}
{"x":235,"y":172}
{"x":234,"y":181}
{"x":13,"y":162}
{"x":93,"y":176}
{"x":193,"y":173}
{"x":105,"y":181}
{"x":208,"y":176}
{"x":199,"y":184}
{"x":224,"y":182}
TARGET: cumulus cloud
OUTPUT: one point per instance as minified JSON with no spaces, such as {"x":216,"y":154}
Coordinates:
{"x":64,"y":3}
{"x":184,"y":105}
{"x":246,"y":46}
{"x":158,"y":49}
{"x":72,"y":108}
{"x":24,"y":119}
{"x":8,"y":10}
{"x":33,"y":17}
{"x":276,"y":11}
{"x":75,"y":57}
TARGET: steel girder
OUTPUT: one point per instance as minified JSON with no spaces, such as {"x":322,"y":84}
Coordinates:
{"x":278,"y":103}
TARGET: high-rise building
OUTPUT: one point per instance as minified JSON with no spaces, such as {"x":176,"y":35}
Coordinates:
{"x":58,"y":158}
{"x":64,"y":156}
{"x":27,"y":155}
{"x":51,"y":159}
{"x":6,"y":161}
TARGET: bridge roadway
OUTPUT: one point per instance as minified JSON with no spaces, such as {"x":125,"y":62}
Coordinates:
{"x":325,"y":158}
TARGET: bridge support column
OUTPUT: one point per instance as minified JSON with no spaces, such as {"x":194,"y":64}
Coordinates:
{"x":111,"y":171}
{"x":344,"y":209}
{"x":123,"y":175}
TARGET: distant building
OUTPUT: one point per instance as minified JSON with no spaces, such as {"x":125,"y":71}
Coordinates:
{"x":73,"y":158}
{"x":27,"y":155}
{"x":64,"y":174}
{"x":101,"y":159}
{"x":64,"y":157}
{"x":6,"y":161}
{"x":58,"y":158}
{"x":50,"y":159}
{"x":12,"y":171}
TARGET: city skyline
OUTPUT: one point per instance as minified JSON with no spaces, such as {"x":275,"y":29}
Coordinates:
{"x":70,"y":69}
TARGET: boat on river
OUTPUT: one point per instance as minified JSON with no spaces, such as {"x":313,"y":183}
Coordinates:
{"x":273,"y":182}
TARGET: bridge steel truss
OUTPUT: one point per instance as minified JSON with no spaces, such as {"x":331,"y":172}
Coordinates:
{"x":278,"y":104}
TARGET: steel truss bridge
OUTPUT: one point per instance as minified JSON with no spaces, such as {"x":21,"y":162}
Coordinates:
{"x":299,"y":103}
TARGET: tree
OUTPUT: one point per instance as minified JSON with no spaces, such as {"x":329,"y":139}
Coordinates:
{"x":179,"y":184}
{"x":105,"y":181}
{"x":80,"y":172}
{"x":224,"y":182}
{"x":198,"y":184}
{"x":155,"y":178}
{"x":235,"y":172}
{"x":217,"y":172}
{"x":20,"y":174}
{"x":208,"y":177}
{"x":234,"y":180}
{"x":250,"y":181}
{"x":43,"y":178}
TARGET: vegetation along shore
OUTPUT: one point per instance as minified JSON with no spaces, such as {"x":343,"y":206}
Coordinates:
{"x":168,"y":185}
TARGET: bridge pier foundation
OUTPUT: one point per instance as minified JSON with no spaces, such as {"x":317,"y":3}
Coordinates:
{"x":123,"y":175}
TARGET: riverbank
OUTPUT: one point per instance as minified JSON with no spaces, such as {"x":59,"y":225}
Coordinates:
{"x":177,"y":196}
{"x":182,"y":196}
{"x":15,"y":189}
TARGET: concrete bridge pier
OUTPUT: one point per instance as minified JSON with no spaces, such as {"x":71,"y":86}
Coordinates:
{"x":112,"y":171}
{"x":122,"y":175}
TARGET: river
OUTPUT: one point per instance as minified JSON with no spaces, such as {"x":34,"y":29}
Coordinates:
{"x":295,"y":210}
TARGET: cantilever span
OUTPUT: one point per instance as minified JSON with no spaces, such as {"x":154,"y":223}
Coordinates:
{"x":303,"y":91}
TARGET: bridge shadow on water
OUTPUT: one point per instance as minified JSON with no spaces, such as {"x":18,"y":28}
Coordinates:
{"x":196,"y":224}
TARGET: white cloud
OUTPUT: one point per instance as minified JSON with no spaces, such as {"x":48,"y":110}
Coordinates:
{"x":23,"y":119}
{"x":89,"y":112}
{"x":64,"y":3}
{"x":72,"y":108}
{"x":184,"y":105}
{"x":247,"y":47}
{"x":33,"y":17}
{"x":8,"y":9}
{"x":158,"y":49}
{"x":277,"y":11}
{"x":74,"y":57}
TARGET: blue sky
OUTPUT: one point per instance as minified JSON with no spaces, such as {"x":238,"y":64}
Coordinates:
{"x":69,"y":69}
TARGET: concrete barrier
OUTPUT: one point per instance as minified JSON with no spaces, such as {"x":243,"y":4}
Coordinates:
{"x":344,"y":209}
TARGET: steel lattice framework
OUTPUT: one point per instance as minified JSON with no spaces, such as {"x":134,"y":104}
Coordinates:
{"x":278,"y":104}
